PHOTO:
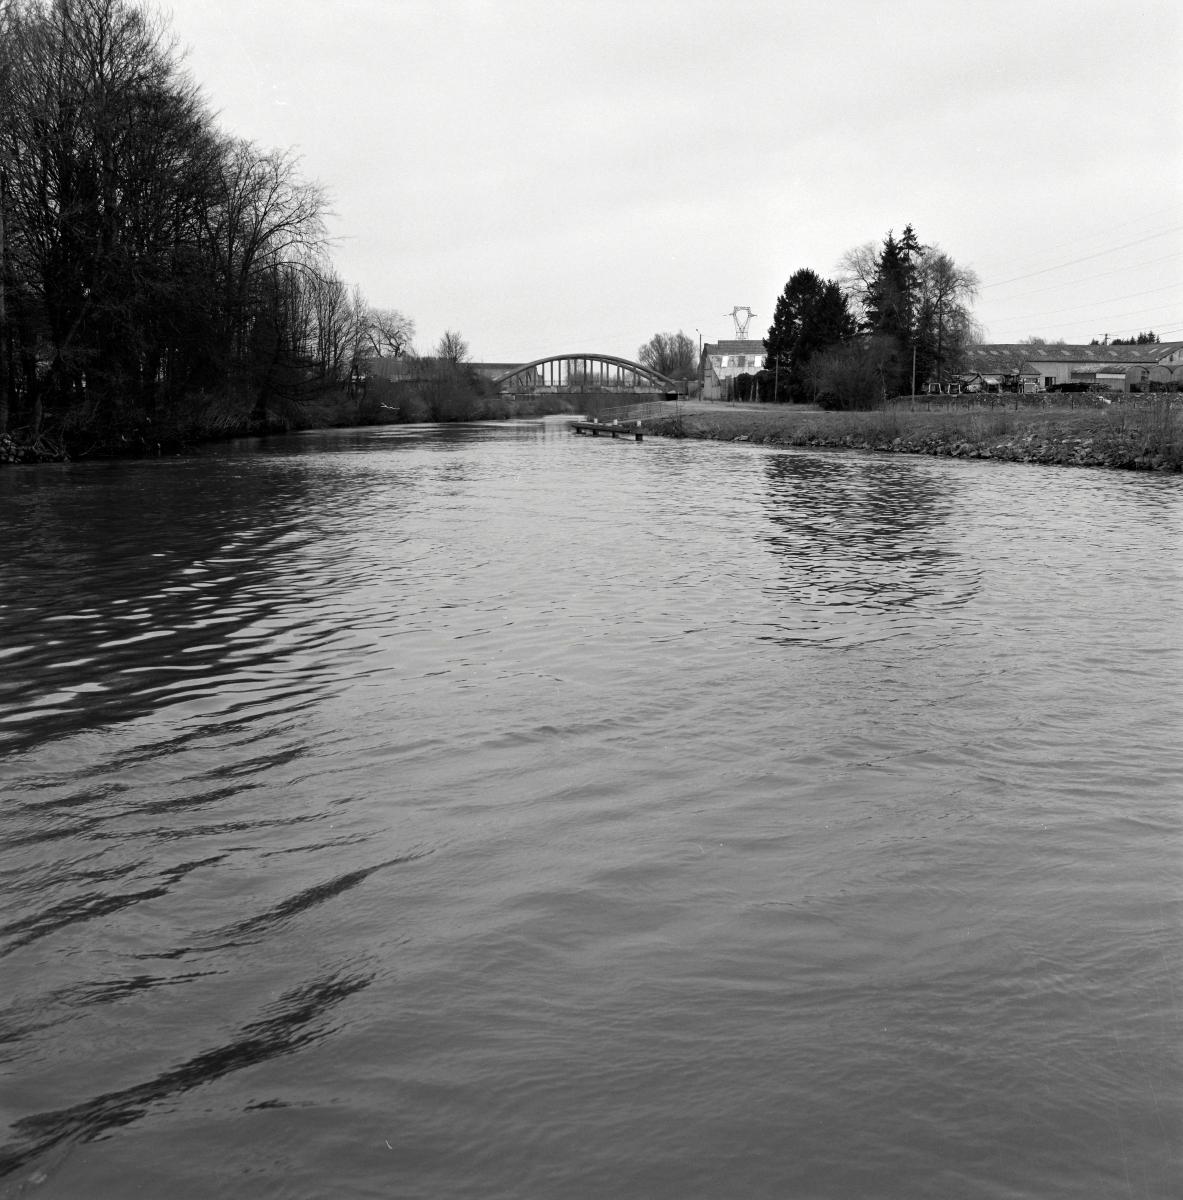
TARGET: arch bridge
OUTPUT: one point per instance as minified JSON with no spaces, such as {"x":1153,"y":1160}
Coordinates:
{"x":584,"y":373}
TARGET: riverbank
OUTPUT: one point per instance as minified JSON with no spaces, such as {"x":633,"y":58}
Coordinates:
{"x":209,"y":419}
{"x":1140,"y":433}
{"x":1137,"y":434}
{"x":131,"y":440}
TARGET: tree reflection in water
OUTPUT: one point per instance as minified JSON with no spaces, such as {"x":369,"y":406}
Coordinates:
{"x":859,"y":540}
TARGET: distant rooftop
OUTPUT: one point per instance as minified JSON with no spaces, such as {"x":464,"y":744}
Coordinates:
{"x":733,"y":347}
{"x":1004,"y":354}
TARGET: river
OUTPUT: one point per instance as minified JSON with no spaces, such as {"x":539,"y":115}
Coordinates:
{"x":485,"y":811}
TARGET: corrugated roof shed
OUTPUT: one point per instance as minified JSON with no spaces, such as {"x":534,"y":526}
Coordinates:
{"x":1008,"y":355}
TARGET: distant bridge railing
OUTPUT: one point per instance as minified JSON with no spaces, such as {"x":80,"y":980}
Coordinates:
{"x":641,"y":411}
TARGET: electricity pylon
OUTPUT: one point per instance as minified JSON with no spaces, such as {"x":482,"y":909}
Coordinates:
{"x":741,"y":323}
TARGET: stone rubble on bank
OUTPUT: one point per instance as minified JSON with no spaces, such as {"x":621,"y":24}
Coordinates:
{"x":1115,"y":452}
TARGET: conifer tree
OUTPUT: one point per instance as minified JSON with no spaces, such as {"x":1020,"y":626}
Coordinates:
{"x":811,"y":315}
{"x":915,"y":298}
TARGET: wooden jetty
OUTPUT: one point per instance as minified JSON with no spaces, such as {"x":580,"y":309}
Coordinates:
{"x":613,"y":430}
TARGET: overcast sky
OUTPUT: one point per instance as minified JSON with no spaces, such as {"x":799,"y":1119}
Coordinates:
{"x":548,"y":176}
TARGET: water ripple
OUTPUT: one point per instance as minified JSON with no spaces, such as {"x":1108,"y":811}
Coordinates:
{"x":461,"y":783}
{"x":296,"y":1020}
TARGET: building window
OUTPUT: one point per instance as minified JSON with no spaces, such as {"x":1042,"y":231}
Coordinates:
{"x":1049,"y":381}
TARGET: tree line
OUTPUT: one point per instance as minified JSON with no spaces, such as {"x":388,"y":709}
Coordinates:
{"x":148,"y":260}
{"x":897,"y":317}
{"x":1149,"y":338}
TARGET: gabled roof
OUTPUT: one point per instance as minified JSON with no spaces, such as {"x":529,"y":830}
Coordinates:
{"x":733,"y":347}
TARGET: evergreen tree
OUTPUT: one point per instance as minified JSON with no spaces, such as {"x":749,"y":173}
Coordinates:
{"x":811,"y":315}
{"x":891,"y":297}
{"x":893,"y":306}
{"x":916,"y":299}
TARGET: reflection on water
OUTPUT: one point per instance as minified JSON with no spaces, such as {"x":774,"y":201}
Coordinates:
{"x":857,"y":537}
{"x":124,"y":588}
{"x":487,"y":811}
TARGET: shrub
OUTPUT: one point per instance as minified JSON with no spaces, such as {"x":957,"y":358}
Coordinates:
{"x":852,"y":376}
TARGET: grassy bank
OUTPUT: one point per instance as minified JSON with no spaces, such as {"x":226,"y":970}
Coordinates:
{"x":1143,"y":433}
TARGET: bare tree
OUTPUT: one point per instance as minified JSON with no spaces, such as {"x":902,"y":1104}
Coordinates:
{"x":262,"y":213}
{"x":389,"y":333}
{"x":144,"y":255}
{"x":452,"y":348}
{"x":5,"y":69}
{"x":946,"y":292}
{"x":674,"y":355}
{"x":331,"y":350}
{"x":105,"y":144}
{"x":858,"y":269}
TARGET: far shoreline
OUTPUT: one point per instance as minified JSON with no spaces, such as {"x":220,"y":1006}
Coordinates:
{"x":1140,"y":433}
{"x":1134,"y":433}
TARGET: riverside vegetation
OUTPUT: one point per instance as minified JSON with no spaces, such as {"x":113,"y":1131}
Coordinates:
{"x":161,"y":280}
{"x":438,"y":395}
{"x":1129,"y":432}
{"x":164,"y":283}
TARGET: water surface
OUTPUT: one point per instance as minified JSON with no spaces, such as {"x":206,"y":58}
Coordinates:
{"x":489,"y":812}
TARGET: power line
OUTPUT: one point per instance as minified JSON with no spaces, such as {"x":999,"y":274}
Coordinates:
{"x":1056,"y":287}
{"x":1160,"y":332}
{"x":1108,"y":230}
{"x":1170,"y":310}
{"x":1112,"y":299}
{"x":1164,"y":335}
{"x":1084,"y":258}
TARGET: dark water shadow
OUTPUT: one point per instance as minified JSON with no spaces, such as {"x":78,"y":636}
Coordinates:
{"x":297,"y":1020}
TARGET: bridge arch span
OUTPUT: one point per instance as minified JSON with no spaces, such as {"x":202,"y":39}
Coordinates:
{"x":581,"y":371}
